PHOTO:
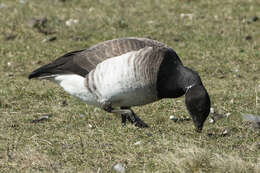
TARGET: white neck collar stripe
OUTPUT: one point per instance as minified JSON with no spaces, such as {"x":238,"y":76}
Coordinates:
{"x":189,"y":87}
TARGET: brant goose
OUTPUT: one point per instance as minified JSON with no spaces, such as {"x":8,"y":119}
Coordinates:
{"x":128,"y":72}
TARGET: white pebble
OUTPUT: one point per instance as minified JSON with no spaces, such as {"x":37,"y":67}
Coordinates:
{"x":211,"y":120}
{"x":137,"y":143}
{"x":119,"y":168}
{"x":212,"y":110}
{"x":71,"y":21}
{"x":225,"y":132}
{"x":2,"y":5}
{"x":228,"y":114}
{"x":187,"y":15}
{"x":172,"y":117}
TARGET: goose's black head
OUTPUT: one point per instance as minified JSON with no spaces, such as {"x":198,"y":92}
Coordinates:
{"x":174,"y":80}
{"x":198,"y":104}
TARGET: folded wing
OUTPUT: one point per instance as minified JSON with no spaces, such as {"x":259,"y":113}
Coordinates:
{"x":83,"y":61}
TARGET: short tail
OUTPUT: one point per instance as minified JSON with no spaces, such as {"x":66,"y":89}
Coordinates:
{"x":62,"y":65}
{"x":42,"y":72}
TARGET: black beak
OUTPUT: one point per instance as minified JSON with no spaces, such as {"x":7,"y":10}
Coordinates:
{"x":199,"y":129}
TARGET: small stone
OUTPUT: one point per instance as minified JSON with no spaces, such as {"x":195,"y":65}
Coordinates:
{"x":249,"y":37}
{"x":253,"y":119}
{"x":119,"y":168}
{"x":71,"y":22}
{"x":187,"y":15}
{"x":2,"y":5}
{"x":184,"y":119}
{"x":50,"y":39}
{"x":228,"y":114}
{"x":149,"y":134}
{"x":172,"y":117}
{"x":81,"y":115}
{"x":91,"y":9}
{"x":150,"y":22}
{"x":90,"y":126}
{"x":212,"y":110}
{"x":225,"y":132}
{"x":137,"y":143}
{"x":211,"y":120}
{"x":9,"y":64}
{"x":64,"y":103}
{"x":42,"y":118}
{"x":255,"y":18}
{"x":252,"y":19}
{"x":211,"y":134}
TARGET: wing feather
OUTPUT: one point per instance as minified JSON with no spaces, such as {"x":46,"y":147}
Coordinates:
{"x":83,"y":61}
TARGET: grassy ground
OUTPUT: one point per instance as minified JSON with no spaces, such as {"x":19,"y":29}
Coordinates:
{"x":218,"y":39}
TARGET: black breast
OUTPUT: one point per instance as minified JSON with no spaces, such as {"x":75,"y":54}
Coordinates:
{"x":169,"y":79}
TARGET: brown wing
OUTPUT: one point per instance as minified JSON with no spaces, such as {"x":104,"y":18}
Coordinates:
{"x":83,"y":61}
{"x":102,"y":51}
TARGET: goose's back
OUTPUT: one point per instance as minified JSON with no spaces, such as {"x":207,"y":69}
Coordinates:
{"x":92,"y":56}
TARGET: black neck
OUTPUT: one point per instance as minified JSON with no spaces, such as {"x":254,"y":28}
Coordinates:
{"x":175,"y":82}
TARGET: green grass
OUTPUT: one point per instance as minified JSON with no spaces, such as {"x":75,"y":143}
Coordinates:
{"x":77,"y":138}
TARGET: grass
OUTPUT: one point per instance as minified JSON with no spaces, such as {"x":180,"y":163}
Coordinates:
{"x":219,"y":40}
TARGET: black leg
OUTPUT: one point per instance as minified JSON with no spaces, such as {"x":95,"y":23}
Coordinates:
{"x":138,"y":122}
{"x":107,"y":107}
{"x":133,"y":118}
{"x":126,"y":114}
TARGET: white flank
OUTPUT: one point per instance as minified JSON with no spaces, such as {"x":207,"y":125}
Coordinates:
{"x":74,"y":85}
{"x":117,"y":83}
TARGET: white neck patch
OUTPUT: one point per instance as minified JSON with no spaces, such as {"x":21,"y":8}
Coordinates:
{"x":189,"y":87}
